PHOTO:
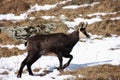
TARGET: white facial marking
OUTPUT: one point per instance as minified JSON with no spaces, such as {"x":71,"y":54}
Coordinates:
{"x":82,"y":36}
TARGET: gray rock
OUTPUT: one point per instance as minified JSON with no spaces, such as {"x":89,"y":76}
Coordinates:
{"x":22,"y":33}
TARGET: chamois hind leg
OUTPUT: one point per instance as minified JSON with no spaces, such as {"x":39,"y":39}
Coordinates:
{"x":21,"y":68}
{"x":30,"y":61}
{"x":67,"y":64}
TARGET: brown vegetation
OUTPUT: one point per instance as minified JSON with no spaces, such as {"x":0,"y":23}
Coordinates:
{"x":42,"y":2}
{"x":5,"y":39}
{"x":6,"y":52}
{"x":4,"y":73}
{"x":106,"y":27}
{"x":13,"y":6}
{"x":100,"y":72}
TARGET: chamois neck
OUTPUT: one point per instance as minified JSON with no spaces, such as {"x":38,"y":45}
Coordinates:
{"x":74,"y":36}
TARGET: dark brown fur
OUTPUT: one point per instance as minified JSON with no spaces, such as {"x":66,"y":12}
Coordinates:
{"x":59,"y":43}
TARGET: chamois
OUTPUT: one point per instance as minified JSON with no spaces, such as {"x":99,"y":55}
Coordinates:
{"x":59,"y":43}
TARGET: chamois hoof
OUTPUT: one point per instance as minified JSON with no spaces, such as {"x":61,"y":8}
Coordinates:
{"x":18,"y":76}
{"x":60,"y":70}
{"x":66,"y":65}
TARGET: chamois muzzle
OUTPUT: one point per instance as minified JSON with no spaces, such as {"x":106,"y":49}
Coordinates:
{"x":83,"y":35}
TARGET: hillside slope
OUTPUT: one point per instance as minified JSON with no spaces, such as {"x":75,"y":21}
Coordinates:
{"x":96,"y":59}
{"x":37,"y":9}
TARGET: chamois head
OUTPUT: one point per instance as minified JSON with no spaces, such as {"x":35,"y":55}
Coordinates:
{"x":82,"y":31}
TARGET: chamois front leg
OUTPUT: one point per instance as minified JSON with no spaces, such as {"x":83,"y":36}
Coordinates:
{"x":67,"y":64}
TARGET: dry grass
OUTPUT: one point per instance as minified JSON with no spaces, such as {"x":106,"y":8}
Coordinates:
{"x":5,"y":39}
{"x":13,"y":6}
{"x":36,"y":70}
{"x":105,"y":28}
{"x":114,"y":48}
{"x":110,"y":16}
{"x":42,"y":2}
{"x":100,"y":72}
{"x":73,"y":13}
{"x":104,"y":6}
{"x":5,"y":23}
{"x":4,"y":73}
{"x":5,"y":52}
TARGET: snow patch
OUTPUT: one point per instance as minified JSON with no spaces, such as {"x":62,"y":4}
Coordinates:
{"x":34,"y":8}
{"x":102,"y":13}
{"x":13,"y":17}
{"x":78,"y":6}
{"x":20,"y":46}
{"x":48,"y":17}
{"x":78,"y":20}
{"x":95,"y":51}
{"x":116,"y":18}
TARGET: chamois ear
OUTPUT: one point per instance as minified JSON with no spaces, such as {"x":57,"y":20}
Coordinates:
{"x":81,"y":25}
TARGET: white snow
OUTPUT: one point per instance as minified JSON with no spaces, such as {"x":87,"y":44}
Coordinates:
{"x":71,"y":7}
{"x":37,"y":7}
{"x":24,"y":16}
{"x":34,"y":8}
{"x":78,"y":6}
{"x":21,"y":46}
{"x":78,"y":20}
{"x":48,"y":17}
{"x":63,"y":18}
{"x":13,"y":17}
{"x":94,"y":51}
{"x":103,"y":14}
{"x":116,"y":18}
{"x":95,"y":19}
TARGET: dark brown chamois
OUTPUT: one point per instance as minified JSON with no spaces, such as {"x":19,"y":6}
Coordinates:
{"x":59,"y":43}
